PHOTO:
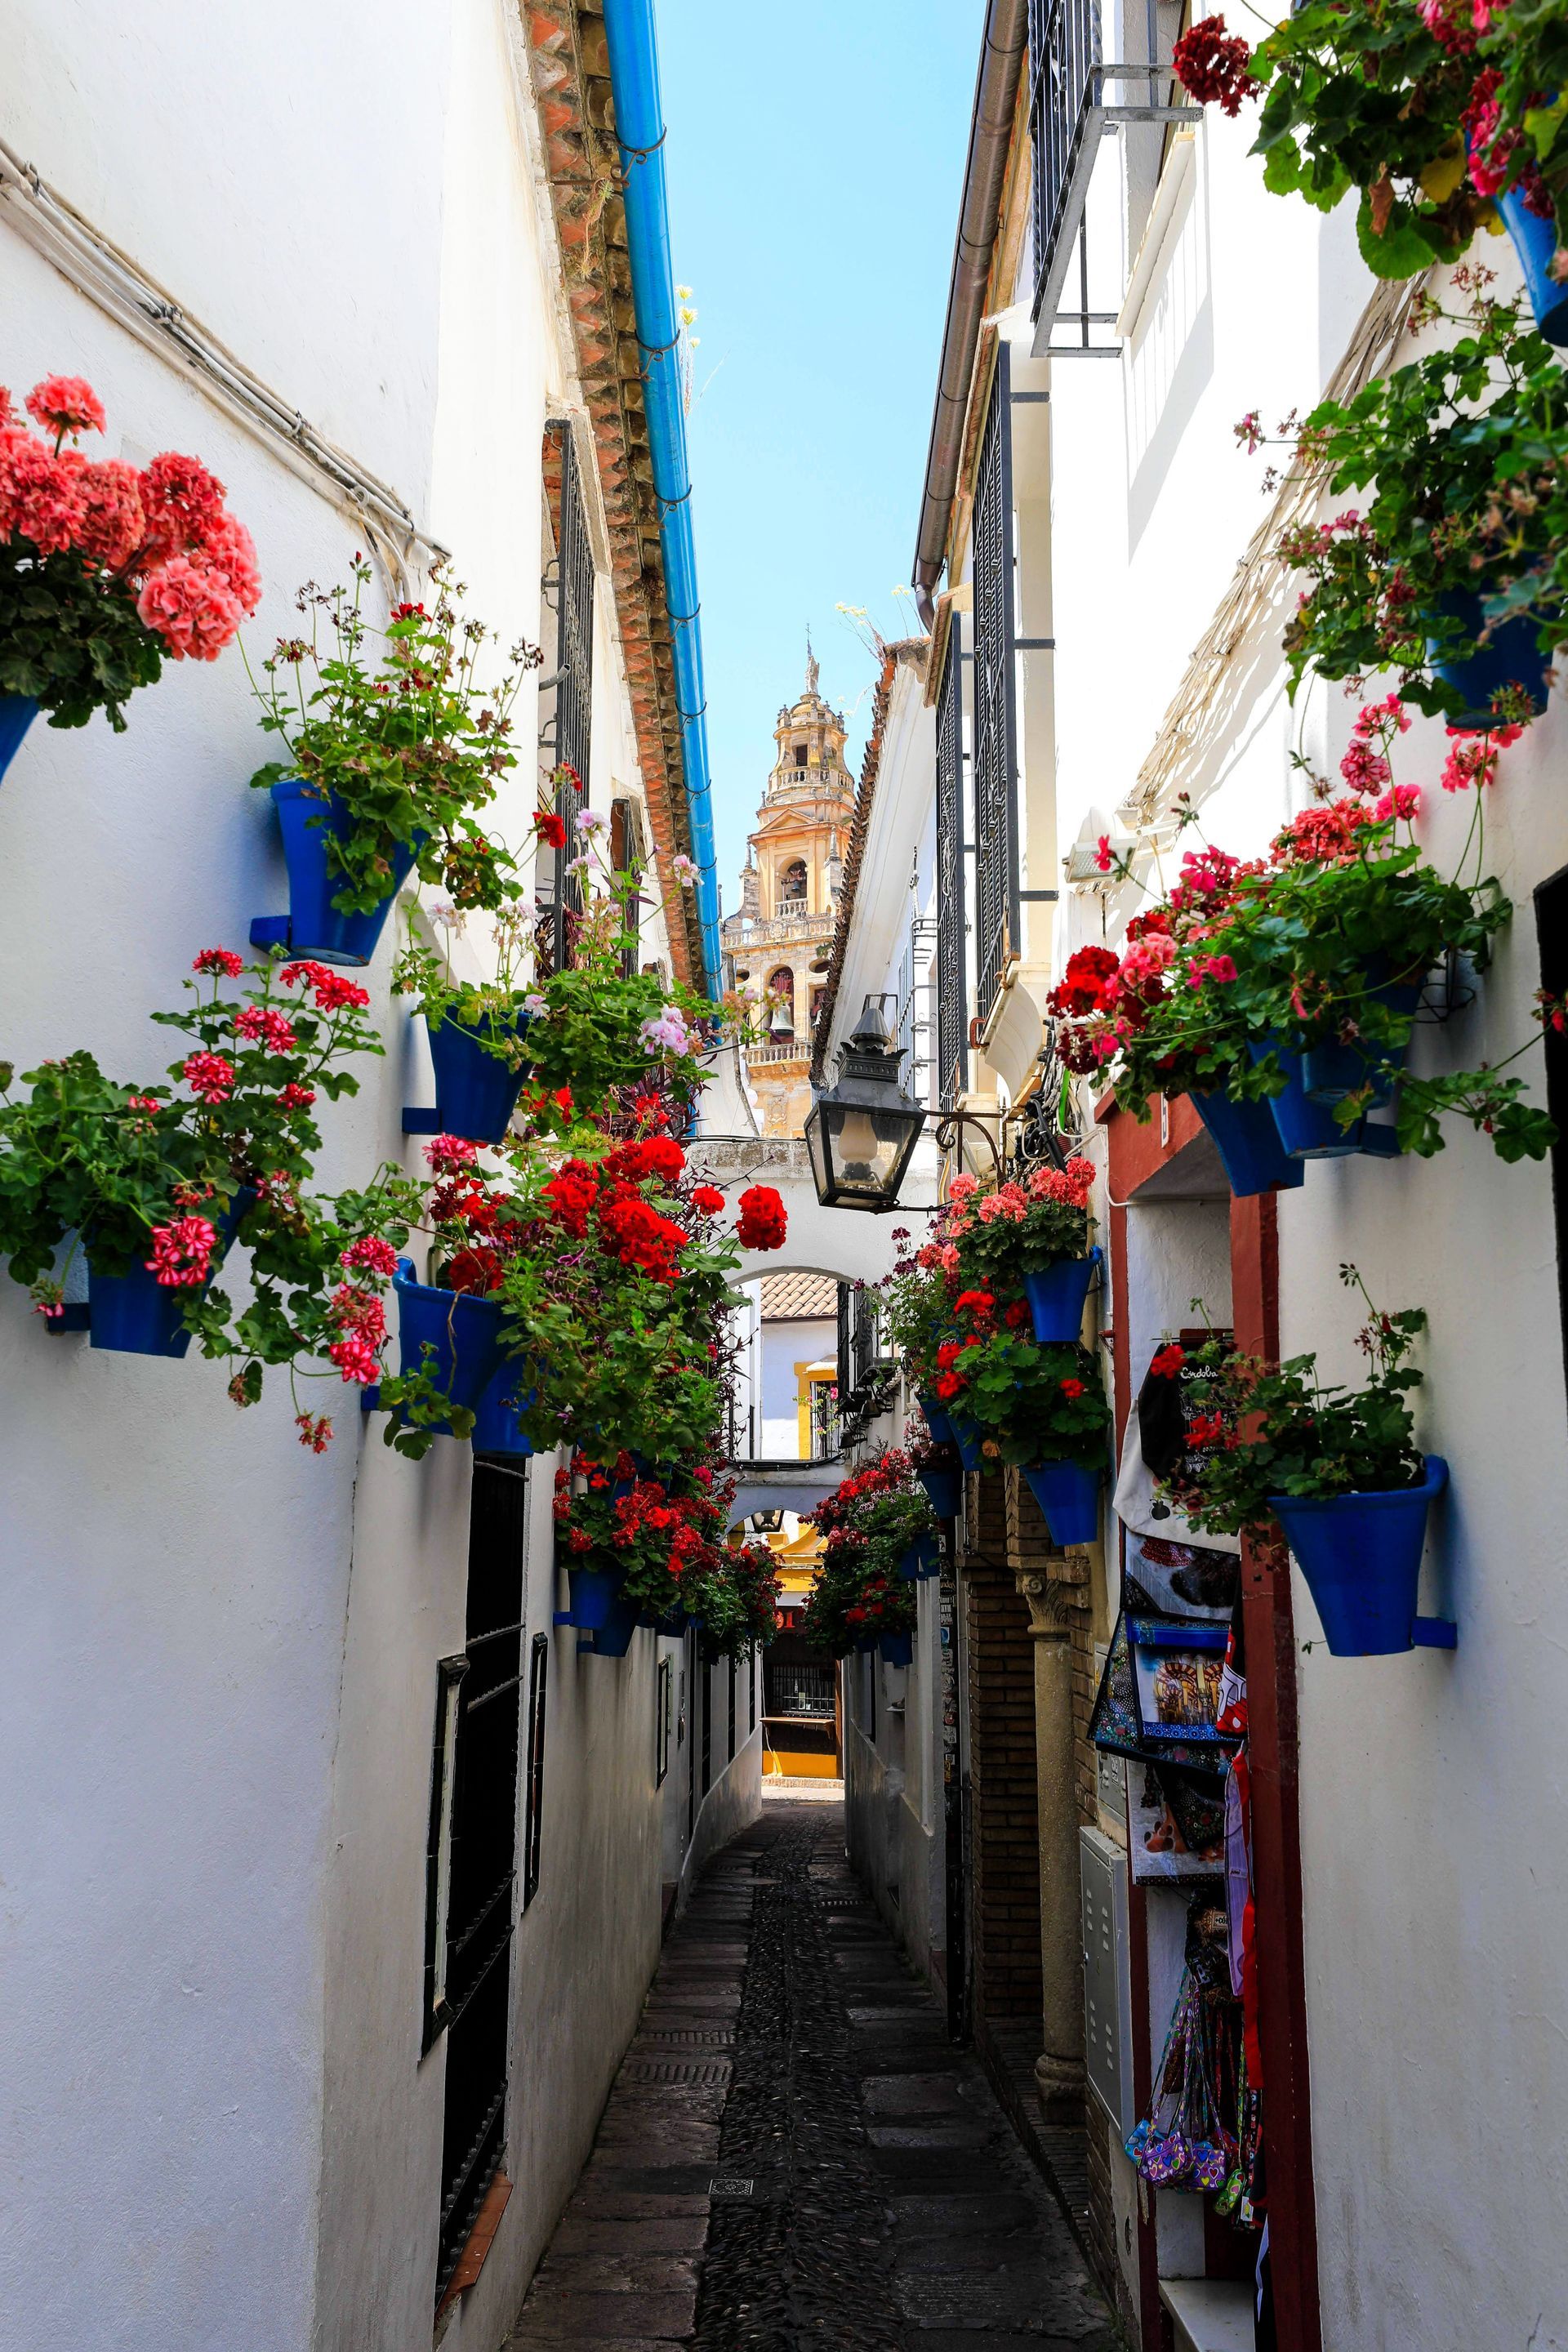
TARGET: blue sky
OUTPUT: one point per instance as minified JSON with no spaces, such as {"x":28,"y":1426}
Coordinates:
{"x":815,"y":155}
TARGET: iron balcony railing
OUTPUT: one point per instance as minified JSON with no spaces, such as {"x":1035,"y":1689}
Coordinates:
{"x":1074,"y":93}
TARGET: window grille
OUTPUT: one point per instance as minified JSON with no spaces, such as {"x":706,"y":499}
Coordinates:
{"x":627,"y":858}
{"x":480,"y":1861}
{"x":1069,"y":78}
{"x":569,"y":592}
{"x":952,"y":953}
{"x":995,"y":754}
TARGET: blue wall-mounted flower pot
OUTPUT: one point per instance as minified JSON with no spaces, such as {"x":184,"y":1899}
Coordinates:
{"x":612,"y":1636}
{"x":1248,"y":1141}
{"x":675,"y":1624}
{"x":464,"y":1331}
{"x":1510,"y":656}
{"x":498,"y":1425}
{"x":17,"y":712}
{"x":896,"y":1649}
{"x":594,"y":1592}
{"x":136,"y":1314}
{"x":315,"y":926}
{"x":1361,"y":1555}
{"x":646,"y":1467}
{"x":1308,"y":1129}
{"x":1056,"y":1296}
{"x":939,"y":1422}
{"x":476,"y":1090}
{"x":1535,"y":241}
{"x":945,"y":1491}
{"x":967,"y":1439}
{"x":922,"y":1559}
{"x":1330,"y":1071}
{"x":1068,"y":1495}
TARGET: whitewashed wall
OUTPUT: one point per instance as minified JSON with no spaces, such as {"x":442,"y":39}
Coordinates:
{"x":1436,"y":1926}
{"x":216,"y":2126}
{"x":892,"y":1779}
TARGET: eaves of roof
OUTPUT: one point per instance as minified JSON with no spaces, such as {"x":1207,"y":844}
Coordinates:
{"x":909,"y":649}
{"x":569,"y":67}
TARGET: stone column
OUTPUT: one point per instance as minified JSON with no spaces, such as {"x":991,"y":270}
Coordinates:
{"x":1059,"y":2068}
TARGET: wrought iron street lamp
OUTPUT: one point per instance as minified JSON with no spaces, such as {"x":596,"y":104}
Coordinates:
{"x":861,"y":1132}
{"x":768,"y":1523}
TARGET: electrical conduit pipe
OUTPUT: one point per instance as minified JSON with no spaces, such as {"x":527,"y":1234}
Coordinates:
{"x":639,"y":130}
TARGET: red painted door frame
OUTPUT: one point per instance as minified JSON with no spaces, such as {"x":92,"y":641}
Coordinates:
{"x":1136,"y":1152}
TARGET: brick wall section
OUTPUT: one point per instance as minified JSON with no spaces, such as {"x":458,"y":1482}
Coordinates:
{"x":1029,"y":1547}
{"x":1004,"y":1848}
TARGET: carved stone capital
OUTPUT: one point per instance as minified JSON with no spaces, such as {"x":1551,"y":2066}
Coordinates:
{"x":1048,"y":1617}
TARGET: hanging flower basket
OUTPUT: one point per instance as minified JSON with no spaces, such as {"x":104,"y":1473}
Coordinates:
{"x":498,"y":1416}
{"x":136,"y":1314}
{"x":17,"y":712}
{"x":924,"y":1558}
{"x":1361,"y":1555}
{"x":1068,"y":1495}
{"x":1056,"y":1296}
{"x":1509,"y":657}
{"x":896,"y":1649}
{"x":317,"y":928}
{"x":463,"y":1331}
{"x":1248,"y":1140}
{"x":476,"y":1090}
{"x":943,"y":1489}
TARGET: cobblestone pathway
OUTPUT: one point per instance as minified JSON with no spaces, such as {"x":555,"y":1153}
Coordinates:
{"x":793,"y":2154}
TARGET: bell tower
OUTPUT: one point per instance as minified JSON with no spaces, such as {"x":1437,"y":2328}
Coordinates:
{"x":778,"y":944}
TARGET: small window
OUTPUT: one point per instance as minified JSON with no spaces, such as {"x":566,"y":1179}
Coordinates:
{"x":538,"y":1686}
{"x":664,"y":1711}
{"x":800,"y":755}
{"x":1551,"y":932}
{"x":438,"y":1851}
{"x":705,"y":1699}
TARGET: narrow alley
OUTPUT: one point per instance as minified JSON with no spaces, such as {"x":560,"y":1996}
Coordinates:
{"x":795,"y":2153}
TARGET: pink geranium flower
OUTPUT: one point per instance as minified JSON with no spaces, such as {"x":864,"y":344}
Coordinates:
{"x":66,"y":404}
{"x":264,"y":1024}
{"x":192,"y":607}
{"x":182,"y":1253}
{"x":208,"y":1075}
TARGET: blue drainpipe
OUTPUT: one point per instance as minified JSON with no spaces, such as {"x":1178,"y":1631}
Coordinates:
{"x":639,"y":128}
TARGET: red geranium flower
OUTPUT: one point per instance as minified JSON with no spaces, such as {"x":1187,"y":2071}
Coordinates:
{"x":763,"y":1220}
